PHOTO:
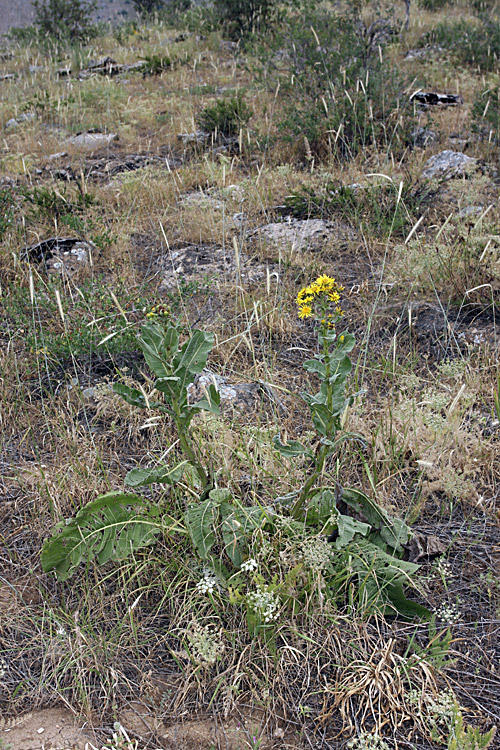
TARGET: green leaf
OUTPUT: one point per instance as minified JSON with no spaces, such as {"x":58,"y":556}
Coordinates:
{"x":315,"y":366}
{"x":394,"y":532}
{"x":156,"y":354}
{"x":162,"y":474}
{"x":293,"y":448}
{"x":348,"y":527}
{"x":210,"y":403}
{"x":320,"y":507}
{"x":102,"y":530}
{"x":321,"y":417}
{"x":131,"y":395}
{"x":192,"y":358}
{"x":238,"y":525}
{"x":201,"y":519}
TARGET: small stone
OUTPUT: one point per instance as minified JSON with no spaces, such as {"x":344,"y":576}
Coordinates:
{"x":41,"y":730}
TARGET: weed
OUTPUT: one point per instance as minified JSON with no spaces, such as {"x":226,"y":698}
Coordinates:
{"x":105,"y":528}
{"x":339,"y":98}
{"x":7,"y":210}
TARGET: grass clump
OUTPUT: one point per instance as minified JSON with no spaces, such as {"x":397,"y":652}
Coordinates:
{"x":382,"y":209}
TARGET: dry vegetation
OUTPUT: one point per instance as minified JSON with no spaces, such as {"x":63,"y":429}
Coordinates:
{"x":175,"y":222}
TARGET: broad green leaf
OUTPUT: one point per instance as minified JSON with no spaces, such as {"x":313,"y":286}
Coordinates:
{"x":192,"y":358}
{"x":293,"y":448}
{"x":162,"y":474}
{"x":201,"y":519}
{"x":321,"y":418}
{"x":152,"y":342}
{"x":395,"y":532}
{"x":210,"y":403}
{"x":102,"y":530}
{"x":348,"y":528}
{"x":220,"y":495}
{"x":315,"y":366}
{"x":320,"y":507}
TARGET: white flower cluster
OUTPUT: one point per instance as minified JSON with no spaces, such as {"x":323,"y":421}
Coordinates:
{"x":316,"y":553}
{"x":443,"y":568}
{"x":205,"y":643}
{"x":249,"y":565}
{"x":439,"y":709}
{"x":448,"y":612}
{"x":208,"y":583}
{"x":263,"y":603}
{"x":368,"y":741}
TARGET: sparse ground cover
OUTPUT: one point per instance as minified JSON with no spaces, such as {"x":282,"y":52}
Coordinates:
{"x":310,"y":556}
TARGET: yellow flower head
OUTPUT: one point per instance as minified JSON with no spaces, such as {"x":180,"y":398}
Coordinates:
{"x":305,"y":311}
{"x":326,"y":290}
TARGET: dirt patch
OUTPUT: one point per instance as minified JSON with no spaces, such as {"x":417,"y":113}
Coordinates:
{"x":207,"y":733}
{"x":51,"y":729}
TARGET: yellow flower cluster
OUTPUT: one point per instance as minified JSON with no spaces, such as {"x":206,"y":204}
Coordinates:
{"x":325,"y":290}
{"x":159,"y":311}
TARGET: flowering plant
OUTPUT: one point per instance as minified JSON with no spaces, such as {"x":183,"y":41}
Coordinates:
{"x":320,"y":300}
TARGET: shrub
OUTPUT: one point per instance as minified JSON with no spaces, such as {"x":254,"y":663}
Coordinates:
{"x":380,"y":209}
{"x":226,"y":117}
{"x":147,"y":7}
{"x":239,"y":18}
{"x":65,"y":21}
{"x":339,"y":96}
{"x":476,"y":44}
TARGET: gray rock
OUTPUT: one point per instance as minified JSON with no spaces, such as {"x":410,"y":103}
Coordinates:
{"x":59,"y":155}
{"x":92,"y":140}
{"x":448,"y":164}
{"x":199,"y":137}
{"x":430,"y":98}
{"x":422,"y":53}
{"x":470,"y":211}
{"x":298,"y":234}
{"x":237,"y":399}
{"x":23,"y":117}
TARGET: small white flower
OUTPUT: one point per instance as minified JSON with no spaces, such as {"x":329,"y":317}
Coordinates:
{"x":264,"y":603}
{"x":249,"y":565}
{"x":207,"y":584}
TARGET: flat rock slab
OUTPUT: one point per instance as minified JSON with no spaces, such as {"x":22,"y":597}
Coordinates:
{"x":91,"y":140}
{"x":448,"y":164}
{"x":295,"y":234}
{"x":198,"y":262}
